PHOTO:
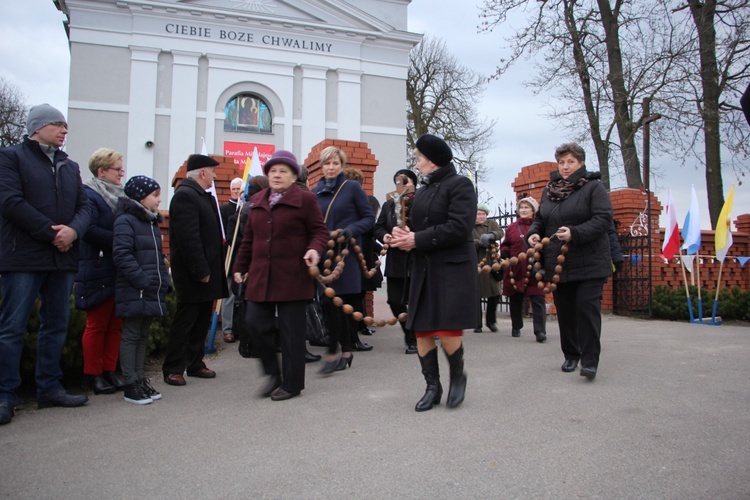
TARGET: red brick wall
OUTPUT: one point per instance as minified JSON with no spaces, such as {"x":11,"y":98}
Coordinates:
{"x":627,"y":204}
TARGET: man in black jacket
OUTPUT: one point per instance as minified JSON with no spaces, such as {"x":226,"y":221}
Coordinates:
{"x":197,"y":255}
{"x":43,"y":211}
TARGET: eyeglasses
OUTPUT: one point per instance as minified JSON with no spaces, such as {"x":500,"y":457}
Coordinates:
{"x":60,"y":124}
{"x":118,"y":170}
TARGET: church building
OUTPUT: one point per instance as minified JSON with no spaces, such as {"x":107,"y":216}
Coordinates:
{"x":154,"y":79}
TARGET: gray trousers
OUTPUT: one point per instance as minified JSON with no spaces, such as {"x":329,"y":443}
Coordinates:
{"x":133,"y":347}
{"x":227,"y":309}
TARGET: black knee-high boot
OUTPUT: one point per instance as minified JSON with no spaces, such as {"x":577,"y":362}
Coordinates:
{"x":431,"y":373}
{"x":458,"y":378}
{"x":491,"y":315}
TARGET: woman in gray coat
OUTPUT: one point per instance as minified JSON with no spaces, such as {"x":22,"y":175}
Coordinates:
{"x":486,"y":232}
{"x":576,"y":211}
{"x":443,"y":292}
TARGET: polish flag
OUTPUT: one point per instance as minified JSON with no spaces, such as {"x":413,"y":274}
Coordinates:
{"x":672,"y":234}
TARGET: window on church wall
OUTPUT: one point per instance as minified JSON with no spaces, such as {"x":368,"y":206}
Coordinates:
{"x":247,"y":113}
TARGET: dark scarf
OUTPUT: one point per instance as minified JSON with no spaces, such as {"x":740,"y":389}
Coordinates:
{"x":559,"y":189}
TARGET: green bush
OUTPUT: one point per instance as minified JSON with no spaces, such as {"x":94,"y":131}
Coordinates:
{"x":71,"y":360}
{"x":671,"y":304}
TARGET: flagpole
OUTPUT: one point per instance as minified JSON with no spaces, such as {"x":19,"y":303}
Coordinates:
{"x":698,"y":273}
{"x":716,"y":298}
{"x":687,"y":290}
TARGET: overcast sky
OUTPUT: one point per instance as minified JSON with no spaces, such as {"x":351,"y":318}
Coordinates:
{"x":35,"y":57}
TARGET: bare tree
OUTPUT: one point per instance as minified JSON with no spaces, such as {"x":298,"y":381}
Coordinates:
{"x":12,"y":114}
{"x":704,"y":107}
{"x":603,"y":61}
{"x":442,"y":98}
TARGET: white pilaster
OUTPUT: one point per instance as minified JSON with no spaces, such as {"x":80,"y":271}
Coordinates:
{"x":182,"y":125}
{"x":142,"y":111}
{"x":349,"y":112}
{"x":313,"y":107}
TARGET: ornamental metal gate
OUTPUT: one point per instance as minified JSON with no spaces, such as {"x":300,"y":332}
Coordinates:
{"x":631,"y":287}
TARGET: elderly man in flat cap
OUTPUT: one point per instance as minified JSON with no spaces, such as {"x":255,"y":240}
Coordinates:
{"x":197,"y":255}
{"x":43,"y":211}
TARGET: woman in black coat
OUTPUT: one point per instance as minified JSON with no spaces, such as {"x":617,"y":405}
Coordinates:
{"x":444,"y":287}
{"x":576,"y":210}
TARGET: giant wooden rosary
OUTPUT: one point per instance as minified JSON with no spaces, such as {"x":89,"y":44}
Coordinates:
{"x":532,"y":256}
{"x":338,"y":250}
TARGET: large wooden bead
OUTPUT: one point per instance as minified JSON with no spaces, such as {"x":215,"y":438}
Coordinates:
{"x":338,"y":301}
{"x":556,"y":278}
{"x":560,"y":259}
{"x":357,"y":316}
{"x":539,"y":277}
{"x":540,"y":284}
{"x":329,"y":292}
{"x":392,"y":321}
{"x":347,"y":308}
{"x":558,"y":269}
{"x":553,"y":287}
{"x":380,"y":323}
{"x":486,"y":269}
{"x":369,"y":320}
{"x":402,"y":317}
{"x":545,"y":241}
{"x":314,"y":271}
{"x":513,"y":261}
{"x":496,"y":267}
{"x":564,"y":248}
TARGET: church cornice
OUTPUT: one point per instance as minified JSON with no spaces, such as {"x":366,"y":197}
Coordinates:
{"x":377,"y":31}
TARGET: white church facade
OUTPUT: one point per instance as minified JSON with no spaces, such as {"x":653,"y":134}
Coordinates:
{"x":153,"y":79}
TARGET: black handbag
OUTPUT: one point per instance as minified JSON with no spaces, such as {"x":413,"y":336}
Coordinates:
{"x":240,"y":323}
{"x":316,"y":326}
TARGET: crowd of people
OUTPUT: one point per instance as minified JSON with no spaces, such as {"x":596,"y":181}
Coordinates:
{"x":101,"y":240}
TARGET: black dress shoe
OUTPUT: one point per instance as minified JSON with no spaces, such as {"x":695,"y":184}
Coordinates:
{"x":202,"y":373}
{"x":362,"y":346}
{"x":311,"y":358}
{"x":6,"y":413}
{"x":515,"y":333}
{"x":492,"y":327}
{"x":589,"y":372}
{"x":61,"y":399}
{"x":412,"y":349}
{"x":540,"y":336}
{"x":282,"y":395}
{"x":477,"y":330}
{"x":115,"y":379}
{"x":270,"y":386}
{"x":569,"y":365}
{"x":366,"y":331}
{"x":99,"y":385}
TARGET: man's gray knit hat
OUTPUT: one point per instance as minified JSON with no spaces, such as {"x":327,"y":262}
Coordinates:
{"x":41,"y":115}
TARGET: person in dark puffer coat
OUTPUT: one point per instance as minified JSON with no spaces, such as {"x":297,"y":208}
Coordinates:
{"x":142,"y":280}
{"x":576,"y":210}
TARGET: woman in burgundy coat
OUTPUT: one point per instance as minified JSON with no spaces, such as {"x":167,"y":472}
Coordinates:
{"x":514,"y":244}
{"x":284,"y":236}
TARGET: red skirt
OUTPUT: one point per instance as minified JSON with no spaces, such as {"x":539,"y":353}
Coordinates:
{"x":439,"y":333}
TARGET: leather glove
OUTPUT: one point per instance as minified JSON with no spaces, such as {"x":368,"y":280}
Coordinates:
{"x":505,"y":254}
{"x":485,"y":240}
{"x":618,"y":267}
{"x":347,"y":234}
